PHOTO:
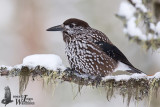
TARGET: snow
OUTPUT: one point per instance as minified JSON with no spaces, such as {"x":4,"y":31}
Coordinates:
{"x":126,"y":10}
{"x":137,"y":1}
{"x":157,"y":75}
{"x":157,"y":28}
{"x":4,"y":66}
{"x":125,"y":77}
{"x":151,"y":36}
{"x":138,"y":76}
{"x":49,"y":61}
{"x":139,"y":5}
{"x":9,"y":68}
{"x":152,"y":26}
{"x":117,"y":78}
{"x":19,"y":66}
{"x":133,"y":30}
{"x":54,"y":62}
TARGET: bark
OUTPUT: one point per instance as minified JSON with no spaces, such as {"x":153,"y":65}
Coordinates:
{"x":137,"y":88}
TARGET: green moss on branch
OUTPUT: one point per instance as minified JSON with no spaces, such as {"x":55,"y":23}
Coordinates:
{"x":132,"y":88}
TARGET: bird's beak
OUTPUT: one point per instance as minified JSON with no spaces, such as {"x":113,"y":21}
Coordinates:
{"x":56,"y":28}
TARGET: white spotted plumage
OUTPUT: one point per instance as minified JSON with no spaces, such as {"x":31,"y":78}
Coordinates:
{"x":89,"y":51}
{"x":86,"y":57}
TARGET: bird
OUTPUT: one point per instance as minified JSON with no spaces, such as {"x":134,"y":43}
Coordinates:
{"x":90,"y":52}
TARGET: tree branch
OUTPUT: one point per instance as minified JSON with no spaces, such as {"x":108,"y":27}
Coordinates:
{"x":141,"y":22}
{"x":135,"y":86}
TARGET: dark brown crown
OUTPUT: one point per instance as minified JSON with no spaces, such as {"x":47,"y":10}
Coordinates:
{"x":78,"y":22}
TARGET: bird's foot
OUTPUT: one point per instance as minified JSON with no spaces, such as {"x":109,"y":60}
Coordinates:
{"x":98,"y":80}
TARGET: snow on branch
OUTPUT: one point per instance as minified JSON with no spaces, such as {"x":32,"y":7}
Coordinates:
{"x":51,"y":69}
{"x":141,"y":21}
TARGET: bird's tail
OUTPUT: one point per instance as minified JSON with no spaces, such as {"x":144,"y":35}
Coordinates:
{"x":135,"y":70}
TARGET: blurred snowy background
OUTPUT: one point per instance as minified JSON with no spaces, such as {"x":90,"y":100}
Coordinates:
{"x":23,"y":25}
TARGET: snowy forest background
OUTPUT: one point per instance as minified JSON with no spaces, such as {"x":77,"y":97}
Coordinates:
{"x":23,"y":27}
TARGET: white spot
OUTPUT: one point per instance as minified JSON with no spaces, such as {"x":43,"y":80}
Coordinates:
{"x":121,"y":67}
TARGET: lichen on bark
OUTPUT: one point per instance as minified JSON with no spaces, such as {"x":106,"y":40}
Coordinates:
{"x":133,"y":88}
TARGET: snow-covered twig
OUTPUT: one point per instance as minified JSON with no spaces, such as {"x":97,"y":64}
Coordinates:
{"x":50,"y":68}
{"x":139,"y":21}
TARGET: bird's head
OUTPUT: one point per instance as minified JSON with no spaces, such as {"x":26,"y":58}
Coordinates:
{"x":70,"y":26}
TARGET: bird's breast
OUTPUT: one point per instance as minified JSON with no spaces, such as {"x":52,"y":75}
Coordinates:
{"x":86,"y":57}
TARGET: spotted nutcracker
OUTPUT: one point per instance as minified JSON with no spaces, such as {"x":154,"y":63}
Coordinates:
{"x":90,"y":52}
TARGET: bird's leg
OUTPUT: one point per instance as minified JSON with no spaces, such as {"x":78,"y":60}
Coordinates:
{"x":69,"y":70}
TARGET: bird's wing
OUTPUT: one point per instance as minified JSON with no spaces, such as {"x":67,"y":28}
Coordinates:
{"x":113,"y":52}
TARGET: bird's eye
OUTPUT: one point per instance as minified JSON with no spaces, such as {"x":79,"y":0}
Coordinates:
{"x":71,"y":25}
